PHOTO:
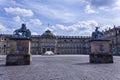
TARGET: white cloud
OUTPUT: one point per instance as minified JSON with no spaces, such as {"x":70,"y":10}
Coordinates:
{"x":106,"y":27}
{"x":62,"y":27}
{"x":49,"y":11}
{"x":19,"y":11}
{"x":35,"y":22}
{"x":17,"y":19}
{"x":88,"y":9}
{"x":34,"y":33}
{"x":34,"y":25}
{"x":81,"y":28}
{"x":106,"y":5}
{"x":4,"y":29}
{"x":117,"y":5}
{"x":48,"y":28}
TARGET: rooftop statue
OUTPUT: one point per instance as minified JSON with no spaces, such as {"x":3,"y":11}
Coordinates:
{"x":22,"y":33}
{"x":97,"y":35}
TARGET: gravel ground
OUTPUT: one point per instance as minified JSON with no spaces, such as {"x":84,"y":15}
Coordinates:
{"x":64,"y":67}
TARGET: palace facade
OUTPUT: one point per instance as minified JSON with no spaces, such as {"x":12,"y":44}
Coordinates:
{"x":63,"y":44}
{"x":60,"y":44}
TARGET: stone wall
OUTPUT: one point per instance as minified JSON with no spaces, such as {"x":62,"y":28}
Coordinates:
{"x":95,"y":46}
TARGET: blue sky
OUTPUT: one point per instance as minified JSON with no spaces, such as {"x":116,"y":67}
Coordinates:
{"x":65,"y":17}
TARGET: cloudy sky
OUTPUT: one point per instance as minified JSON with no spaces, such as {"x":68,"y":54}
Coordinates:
{"x":65,"y":17}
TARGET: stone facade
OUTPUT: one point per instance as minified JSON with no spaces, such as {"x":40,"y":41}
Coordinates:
{"x":59,"y":44}
{"x":96,"y":44}
{"x":100,"y":52}
{"x":19,"y":46}
{"x":4,"y":43}
{"x":114,"y":36}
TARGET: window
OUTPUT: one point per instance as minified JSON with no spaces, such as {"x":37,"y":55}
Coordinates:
{"x":65,"y":40}
{"x":112,"y":33}
{"x":117,"y":31}
{"x":4,"y":46}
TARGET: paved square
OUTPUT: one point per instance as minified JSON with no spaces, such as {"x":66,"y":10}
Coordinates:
{"x":61,"y":67}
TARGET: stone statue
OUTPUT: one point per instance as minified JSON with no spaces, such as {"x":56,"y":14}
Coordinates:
{"x":22,"y":33}
{"x":97,"y":35}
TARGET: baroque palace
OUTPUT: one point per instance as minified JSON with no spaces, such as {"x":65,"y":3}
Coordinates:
{"x":63,"y":44}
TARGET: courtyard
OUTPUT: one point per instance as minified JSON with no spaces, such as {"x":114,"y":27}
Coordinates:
{"x":61,"y":67}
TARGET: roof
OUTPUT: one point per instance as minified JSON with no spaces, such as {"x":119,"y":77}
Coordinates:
{"x":47,"y":33}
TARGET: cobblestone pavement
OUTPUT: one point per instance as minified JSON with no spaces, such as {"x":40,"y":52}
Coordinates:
{"x":61,"y":68}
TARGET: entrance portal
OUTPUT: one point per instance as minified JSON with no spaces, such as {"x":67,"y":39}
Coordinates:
{"x":48,"y":49}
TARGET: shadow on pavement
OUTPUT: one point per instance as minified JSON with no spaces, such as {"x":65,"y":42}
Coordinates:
{"x":87,"y":63}
{"x":2,"y":65}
